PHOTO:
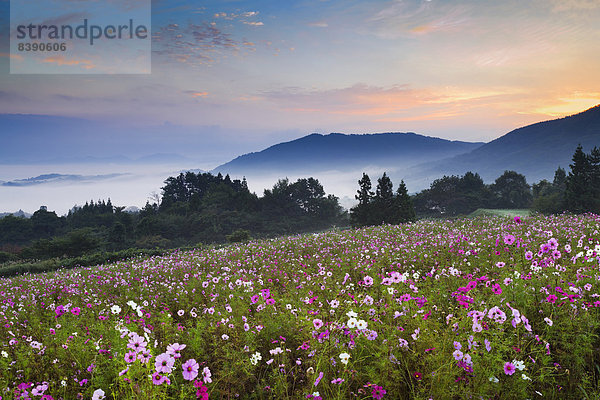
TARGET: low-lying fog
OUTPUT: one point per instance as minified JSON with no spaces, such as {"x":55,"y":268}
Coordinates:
{"x":133,"y":185}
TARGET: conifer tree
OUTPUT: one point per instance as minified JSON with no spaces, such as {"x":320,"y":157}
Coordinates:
{"x":360,"y":214}
{"x":405,"y":211}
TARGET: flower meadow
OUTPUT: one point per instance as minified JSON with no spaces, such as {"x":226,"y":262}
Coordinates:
{"x":485,"y":308}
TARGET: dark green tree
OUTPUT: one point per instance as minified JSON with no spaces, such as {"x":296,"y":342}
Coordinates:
{"x":512,"y":191}
{"x":582,"y":192}
{"x":360,"y":214}
{"x":382,"y":209}
{"x":404,"y":209}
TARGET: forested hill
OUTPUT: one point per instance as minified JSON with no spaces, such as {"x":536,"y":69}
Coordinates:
{"x":336,"y":151}
{"x":534,"y":150}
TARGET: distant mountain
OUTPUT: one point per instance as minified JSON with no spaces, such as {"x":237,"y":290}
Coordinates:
{"x":338,"y":151}
{"x":19,"y":213}
{"x":54,"y":178}
{"x":534,"y":150}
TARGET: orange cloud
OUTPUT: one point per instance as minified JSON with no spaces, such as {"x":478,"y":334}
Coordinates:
{"x":197,"y":94}
{"x":569,"y":106}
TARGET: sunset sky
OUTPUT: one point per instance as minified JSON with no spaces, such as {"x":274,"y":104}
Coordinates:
{"x":265,"y":71}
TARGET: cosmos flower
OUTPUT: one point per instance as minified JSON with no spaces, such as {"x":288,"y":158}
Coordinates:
{"x":175,"y":349}
{"x":344,"y":358}
{"x":509,"y":368}
{"x":164,"y":363}
{"x":206,"y":375}
{"x":190,"y":369}
{"x":98,"y":394}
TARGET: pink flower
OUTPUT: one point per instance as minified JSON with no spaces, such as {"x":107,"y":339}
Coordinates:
{"x":319,"y":378}
{"x":75,"y":310}
{"x":190,"y":369}
{"x":509,"y":239}
{"x":317,"y":323}
{"x":509,"y":368}
{"x":174,"y":349}
{"x":206,"y":375}
{"x":164,"y":363}
{"x":130,"y":357}
{"x":158,"y":379}
{"x":137,"y":343}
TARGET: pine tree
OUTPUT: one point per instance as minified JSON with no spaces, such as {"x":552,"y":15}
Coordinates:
{"x":405,"y":211}
{"x":578,"y":182}
{"x":383,"y":204}
{"x":360,"y":214}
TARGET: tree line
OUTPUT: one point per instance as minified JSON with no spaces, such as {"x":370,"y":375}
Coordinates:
{"x":576,"y":192}
{"x":194,"y":209}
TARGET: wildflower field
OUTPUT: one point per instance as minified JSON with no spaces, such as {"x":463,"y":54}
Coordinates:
{"x":487,"y":308}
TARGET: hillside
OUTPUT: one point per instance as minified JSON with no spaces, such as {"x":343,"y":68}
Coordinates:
{"x":338,"y":151}
{"x":534,"y":150}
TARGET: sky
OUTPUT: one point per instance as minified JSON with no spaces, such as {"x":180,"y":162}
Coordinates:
{"x":234,"y":76}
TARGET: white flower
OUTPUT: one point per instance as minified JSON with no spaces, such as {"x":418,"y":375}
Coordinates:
{"x":494,"y":379}
{"x":351,"y":314}
{"x":115,"y":310}
{"x":361,"y":324}
{"x":548,"y":321}
{"x":352,"y":323}
{"x":4,"y":354}
{"x":255,"y":358}
{"x":98,"y":394}
{"x":344,"y":357}
{"x":520,"y":365}
{"x":224,"y":336}
{"x":525,"y":377}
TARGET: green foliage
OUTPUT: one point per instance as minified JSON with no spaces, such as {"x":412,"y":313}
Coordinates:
{"x":240,"y":235}
{"x":16,"y":267}
{"x":382,"y":207}
{"x":454,"y":195}
{"x":582,"y":192}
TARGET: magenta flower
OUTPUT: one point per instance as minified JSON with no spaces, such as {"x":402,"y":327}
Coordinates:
{"x":509,"y":239}
{"x":75,"y":310}
{"x":378,"y":392}
{"x":509,"y":368}
{"x":496,"y":289}
{"x":164,"y":363}
{"x":60,"y":310}
{"x":190,"y":369}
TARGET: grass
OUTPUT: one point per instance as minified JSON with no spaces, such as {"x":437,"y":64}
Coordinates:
{"x":500,"y":212}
